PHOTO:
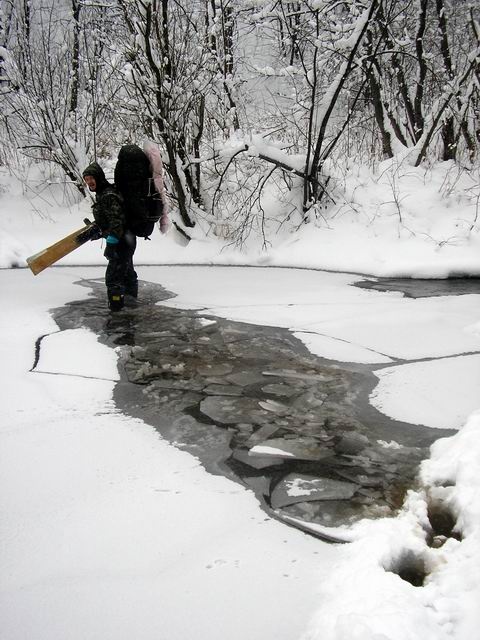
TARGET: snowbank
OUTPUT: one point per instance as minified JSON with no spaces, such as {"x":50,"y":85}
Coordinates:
{"x":398,"y":221}
{"x":435,"y":540}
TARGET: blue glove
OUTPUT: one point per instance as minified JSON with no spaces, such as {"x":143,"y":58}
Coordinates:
{"x":111,"y":248}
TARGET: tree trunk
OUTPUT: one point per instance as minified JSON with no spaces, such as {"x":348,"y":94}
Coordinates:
{"x":337,"y":86}
{"x":75,"y":57}
{"x":449,"y":139}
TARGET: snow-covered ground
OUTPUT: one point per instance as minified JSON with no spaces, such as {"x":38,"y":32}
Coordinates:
{"x":110,"y":532}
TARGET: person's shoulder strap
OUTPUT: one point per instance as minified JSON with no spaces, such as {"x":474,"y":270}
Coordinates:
{"x":111,"y":190}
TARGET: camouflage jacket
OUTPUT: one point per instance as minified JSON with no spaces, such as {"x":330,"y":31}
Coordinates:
{"x":108,"y":210}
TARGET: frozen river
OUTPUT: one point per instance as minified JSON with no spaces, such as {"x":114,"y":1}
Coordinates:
{"x":321,"y":392}
{"x":252,"y":402}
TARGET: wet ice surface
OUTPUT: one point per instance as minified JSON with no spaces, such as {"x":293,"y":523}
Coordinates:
{"x":424,"y":288}
{"x":253,"y":404}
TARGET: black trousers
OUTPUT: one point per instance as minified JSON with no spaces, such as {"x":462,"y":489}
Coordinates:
{"x":120,"y":276}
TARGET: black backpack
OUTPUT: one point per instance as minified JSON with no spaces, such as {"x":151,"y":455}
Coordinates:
{"x":134,"y":181}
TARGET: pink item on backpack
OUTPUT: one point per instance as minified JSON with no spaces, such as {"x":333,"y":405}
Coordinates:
{"x":153,"y":152}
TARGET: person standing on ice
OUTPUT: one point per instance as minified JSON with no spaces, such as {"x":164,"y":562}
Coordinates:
{"x":108,"y":212}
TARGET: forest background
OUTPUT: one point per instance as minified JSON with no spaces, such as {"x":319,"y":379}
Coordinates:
{"x":270,"y":115}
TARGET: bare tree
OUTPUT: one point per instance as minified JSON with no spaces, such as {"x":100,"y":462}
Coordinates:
{"x":52,"y":105}
{"x":326,"y":39}
{"x":419,"y":88}
{"x":172,"y":59}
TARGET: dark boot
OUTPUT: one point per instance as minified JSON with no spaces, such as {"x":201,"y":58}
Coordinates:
{"x":131,"y":289}
{"x":116,"y":301}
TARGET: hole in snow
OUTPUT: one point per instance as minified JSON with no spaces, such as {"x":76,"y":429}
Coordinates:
{"x":409,"y":567}
{"x":442,"y":522}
